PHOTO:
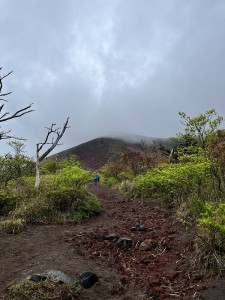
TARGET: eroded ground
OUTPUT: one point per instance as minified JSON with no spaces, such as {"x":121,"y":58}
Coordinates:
{"x":155,"y":267}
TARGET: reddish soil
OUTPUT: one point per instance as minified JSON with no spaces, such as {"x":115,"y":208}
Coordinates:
{"x":155,"y":267}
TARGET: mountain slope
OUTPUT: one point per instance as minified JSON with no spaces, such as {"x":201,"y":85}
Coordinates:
{"x":95,"y":153}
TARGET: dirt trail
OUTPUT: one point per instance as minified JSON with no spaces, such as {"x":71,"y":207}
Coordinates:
{"x":155,"y":267}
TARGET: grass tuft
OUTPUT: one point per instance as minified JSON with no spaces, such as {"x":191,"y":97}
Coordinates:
{"x":43,"y":290}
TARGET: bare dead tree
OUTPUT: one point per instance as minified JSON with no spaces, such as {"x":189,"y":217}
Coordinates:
{"x":55,"y":134}
{"x":6,"y":116}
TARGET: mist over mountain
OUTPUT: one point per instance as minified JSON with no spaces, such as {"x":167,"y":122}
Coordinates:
{"x":95,"y":153}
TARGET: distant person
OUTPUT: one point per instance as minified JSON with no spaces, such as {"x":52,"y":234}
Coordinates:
{"x":96,"y":179}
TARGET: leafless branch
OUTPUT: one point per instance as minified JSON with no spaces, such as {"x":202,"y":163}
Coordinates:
{"x":6,"y":75}
{"x":3,"y":95}
{"x":6,"y":116}
{"x":17,"y":114}
{"x":59,"y":133}
{"x":4,"y":135}
{"x":1,"y":85}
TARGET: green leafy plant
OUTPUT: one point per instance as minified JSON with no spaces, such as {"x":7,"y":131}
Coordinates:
{"x":60,"y":206}
{"x":73,"y":176}
{"x":172,"y":183}
{"x":198,"y":129}
{"x":14,"y":167}
{"x":13,"y":225}
{"x":210,"y":242}
{"x":7,"y":203}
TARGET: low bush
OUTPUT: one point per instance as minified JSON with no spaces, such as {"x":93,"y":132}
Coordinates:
{"x":7,"y":203}
{"x":61,"y":197}
{"x":210,"y":242}
{"x":125,"y":186}
{"x":23,"y":188}
{"x":13,"y":225}
{"x":73,"y":176}
{"x":112,"y":174}
{"x":75,"y":204}
{"x":173,"y":183}
{"x":62,"y":205}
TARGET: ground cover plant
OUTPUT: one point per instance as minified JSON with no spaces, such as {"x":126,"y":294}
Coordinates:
{"x":43,"y":290}
{"x":62,"y":197}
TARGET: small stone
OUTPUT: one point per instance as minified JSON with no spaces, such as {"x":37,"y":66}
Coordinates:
{"x":88,"y":279}
{"x":138,"y":228}
{"x":99,"y":237}
{"x":112,"y":237}
{"x":124,"y":243}
{"x":37,"y":278}
{"x":148,"y":245}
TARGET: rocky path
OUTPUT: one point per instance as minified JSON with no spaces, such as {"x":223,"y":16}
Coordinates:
{"x":155,"y":267}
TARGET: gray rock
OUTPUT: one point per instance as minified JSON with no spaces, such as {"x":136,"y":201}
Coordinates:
{"x":60,"y":277}
{"x":124,"y":243}
{"x":88,"y":279}
{"x":99,"y":237}
{"x":37,"y":278}
{"x":138,"y":228}
{"x":112,"y":237}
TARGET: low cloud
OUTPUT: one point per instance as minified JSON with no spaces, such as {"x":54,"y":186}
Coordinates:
{"x":120,"y":66}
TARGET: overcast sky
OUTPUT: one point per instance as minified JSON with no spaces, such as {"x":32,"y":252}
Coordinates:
{"x":110,"y":65}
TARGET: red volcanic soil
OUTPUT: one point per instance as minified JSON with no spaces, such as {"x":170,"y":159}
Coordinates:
{"x":157,"y":266}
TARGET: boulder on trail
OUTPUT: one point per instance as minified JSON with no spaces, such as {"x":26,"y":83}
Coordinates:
{"x":59,"y":276}
{"x":88,"y":279}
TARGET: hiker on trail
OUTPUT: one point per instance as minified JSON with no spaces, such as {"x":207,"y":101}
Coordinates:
{"x":96,"y":179}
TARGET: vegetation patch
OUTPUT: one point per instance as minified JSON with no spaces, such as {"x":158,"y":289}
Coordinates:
{"x":7,"y":203}
{"x":62,"y":197}
{"x":13,"y":225}
{"x":58,"y":206}
{"x":172,"y":182}
{"x":210,"y":231}
{"x":43,"y":290}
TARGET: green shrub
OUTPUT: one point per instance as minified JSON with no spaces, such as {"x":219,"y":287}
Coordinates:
{"x":210,"y":242}
{"x":7,"y":203}
{"x":13,"y":225}
{"x":188,"y":211}
{"x":62,"y":205}
{"x":76,"y":204}
{"x":61,"y":197}
{"x":109,"y":181}
{"x":125,"y":186}
{"x":73,"y":176}
{"x":14,"y":167}
{"x":37,"y":210}
{"x":22,"y":188}
{"x":172,"y":183}
{"x":212,"y":225}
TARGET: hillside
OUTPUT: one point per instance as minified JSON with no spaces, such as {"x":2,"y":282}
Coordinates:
{"x":97,"y":152}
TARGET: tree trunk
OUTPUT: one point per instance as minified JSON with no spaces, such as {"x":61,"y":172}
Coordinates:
{"x":37,"y":180}
{"x":39,"y":158}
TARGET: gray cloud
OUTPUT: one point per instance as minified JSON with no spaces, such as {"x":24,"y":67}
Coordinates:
{"x":111,"y":66}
